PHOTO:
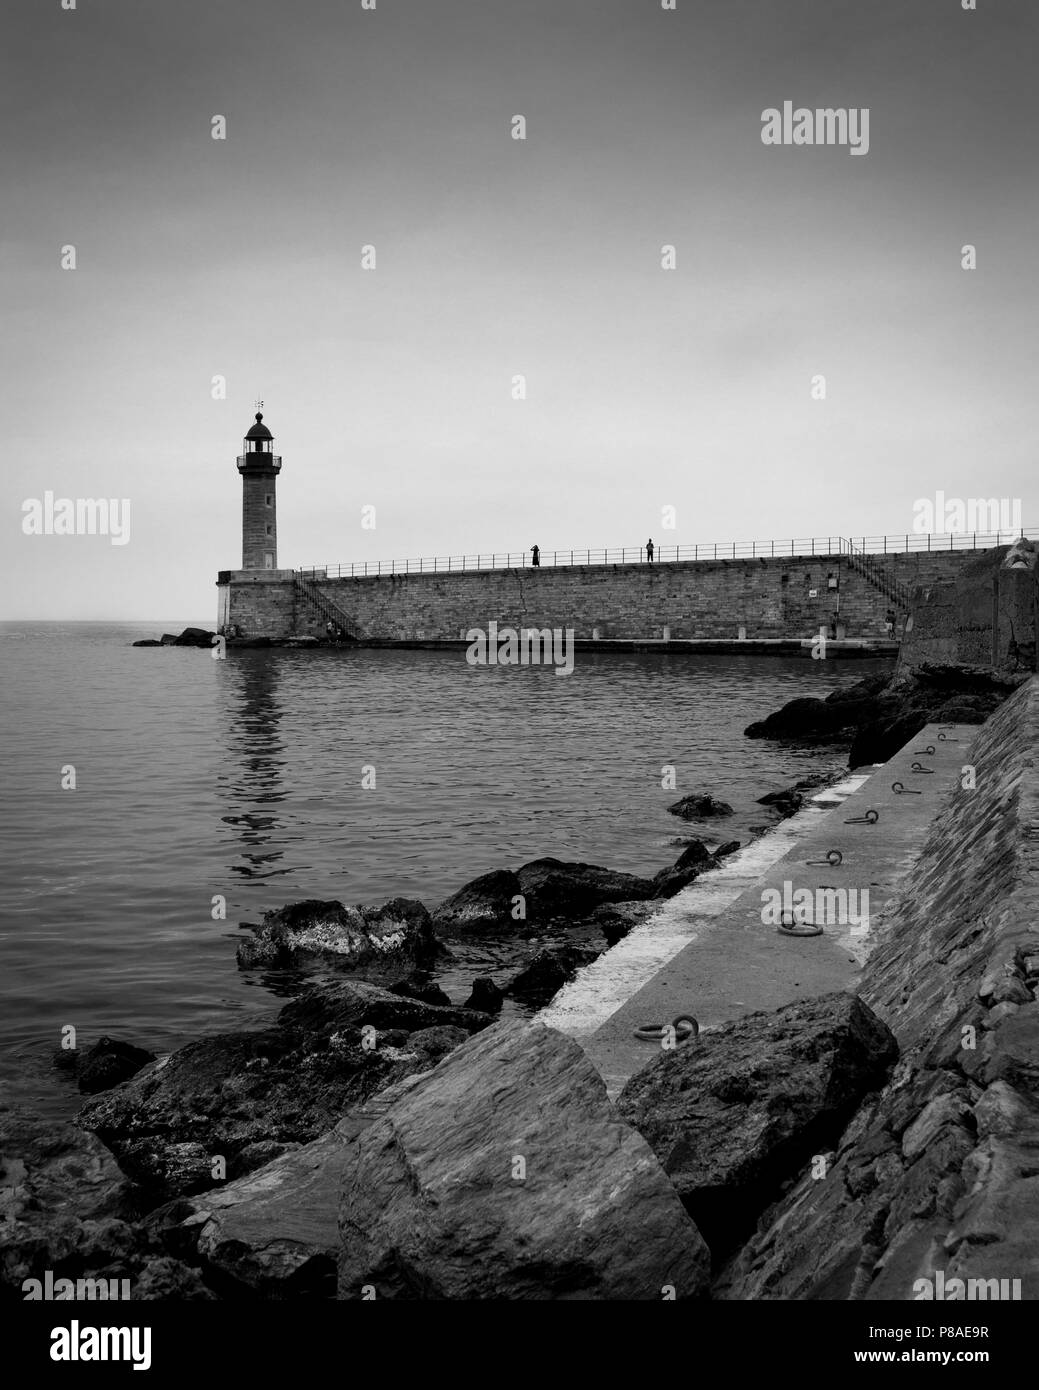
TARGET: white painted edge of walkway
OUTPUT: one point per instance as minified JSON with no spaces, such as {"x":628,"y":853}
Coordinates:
{"x":600,"y":989}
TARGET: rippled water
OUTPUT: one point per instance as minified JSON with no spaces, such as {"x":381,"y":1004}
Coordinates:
{"x":243,"y":777}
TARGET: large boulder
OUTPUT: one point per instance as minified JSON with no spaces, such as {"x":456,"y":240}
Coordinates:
{"x":244,"y":1097}
{"x":807,"y":719}
{"x":553,"y":888}
{"x":693,"y":860}
{"x":507,"y":1174}
{"x":484,"y":904}
{"x":744,"y":1109}
{"x":194,"y":637}
{"x":882,"y":715}
{"x":550,"y":889}
{"x":389,"y":938}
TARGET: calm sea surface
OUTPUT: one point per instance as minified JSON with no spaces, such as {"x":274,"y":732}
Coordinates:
{"x":242,"y":777}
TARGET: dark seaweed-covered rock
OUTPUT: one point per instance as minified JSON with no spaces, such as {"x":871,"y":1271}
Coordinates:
{"x":419,"y":985}
{"x":616,"y":920}
{"x":108,"y":1063}
{"x":194,"y":637}
{"x":68,"y":1213}
{"x":548,"y":972}
{"x":881,"y":739}
{"x":787,"y":802}
{"x":808,"y":719}
{"x":687,"y":867}
{"x":879,"y":717}
{"x":226,"y":1097}
{"x":485,"y":997}
{"x":700,"y":808}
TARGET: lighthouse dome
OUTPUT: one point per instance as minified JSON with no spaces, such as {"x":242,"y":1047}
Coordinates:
{"x":259,"y":430}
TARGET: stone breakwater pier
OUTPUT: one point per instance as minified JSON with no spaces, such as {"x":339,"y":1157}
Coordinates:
{"x":769,"y":596}
{"x":751,"y":602}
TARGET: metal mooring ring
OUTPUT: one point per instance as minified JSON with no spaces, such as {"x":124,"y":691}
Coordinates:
{"x":685,"y":1026}
{"x":919,"y":767}
{"x":944,"y":738}
{"x":793,"y":928}
{"x":929,"y":750}
{"x":869,"y":818}
{"x":900,"y":790}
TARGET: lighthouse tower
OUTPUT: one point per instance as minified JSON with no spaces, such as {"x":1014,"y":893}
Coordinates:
{"x":259,"y":467}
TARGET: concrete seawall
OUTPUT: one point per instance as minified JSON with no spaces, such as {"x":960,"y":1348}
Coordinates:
{"x":781,"y":597}
{"x":936,"y":1177}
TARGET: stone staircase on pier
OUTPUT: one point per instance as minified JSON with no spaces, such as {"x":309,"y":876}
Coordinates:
{"x":330,"y":611}
{"x":873,"y":571}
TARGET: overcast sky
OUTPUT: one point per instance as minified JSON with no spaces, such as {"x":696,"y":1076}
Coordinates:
{"x":646,"y":388}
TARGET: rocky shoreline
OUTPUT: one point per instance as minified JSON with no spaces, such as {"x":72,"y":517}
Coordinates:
{"x":204,"y":637}
{"x":166,"y":1147}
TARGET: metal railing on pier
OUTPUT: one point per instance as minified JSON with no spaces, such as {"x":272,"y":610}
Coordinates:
{"x":804,"y":548}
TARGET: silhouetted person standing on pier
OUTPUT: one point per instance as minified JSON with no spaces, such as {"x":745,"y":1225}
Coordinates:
{"x":535,"y":551}
{"x":649,"y":550}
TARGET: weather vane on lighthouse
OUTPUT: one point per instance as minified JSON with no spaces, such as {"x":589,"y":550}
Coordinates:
{"x":259,"y":403}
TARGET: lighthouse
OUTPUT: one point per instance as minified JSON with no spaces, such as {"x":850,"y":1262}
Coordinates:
{"x":259,"y":467}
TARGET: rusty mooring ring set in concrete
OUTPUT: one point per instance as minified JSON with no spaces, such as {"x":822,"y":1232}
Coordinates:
{"x":793,"y":928}
{"x":685,"y":1026}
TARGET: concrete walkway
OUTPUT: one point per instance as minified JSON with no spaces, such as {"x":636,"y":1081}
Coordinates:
{"x":707,"y":951}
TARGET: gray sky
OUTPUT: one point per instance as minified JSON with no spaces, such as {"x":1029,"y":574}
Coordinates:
{"x":646,"y":387}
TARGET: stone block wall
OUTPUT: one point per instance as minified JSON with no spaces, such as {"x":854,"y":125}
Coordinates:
{"x":769,"y":597}
{"x":262,"y":603}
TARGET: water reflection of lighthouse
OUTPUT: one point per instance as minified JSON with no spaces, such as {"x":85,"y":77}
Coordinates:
{"x":250,"y":785}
